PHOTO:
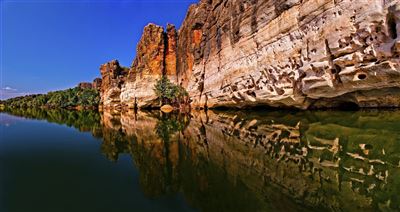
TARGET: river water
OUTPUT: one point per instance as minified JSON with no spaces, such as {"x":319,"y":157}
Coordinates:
{"x":59,"y":160}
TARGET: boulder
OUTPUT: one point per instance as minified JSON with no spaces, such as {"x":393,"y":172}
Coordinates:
{"x":167,"y":108}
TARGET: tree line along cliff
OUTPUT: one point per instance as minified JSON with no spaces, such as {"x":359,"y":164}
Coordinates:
{"x":285,"y":53}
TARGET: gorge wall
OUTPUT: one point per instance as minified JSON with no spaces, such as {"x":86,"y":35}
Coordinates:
{"x":280,"y":53}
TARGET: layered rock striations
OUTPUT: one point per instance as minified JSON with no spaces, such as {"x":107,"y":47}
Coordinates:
{"x":146,"y":68}
{"x":286,"y":53}
{"x":156,"y":57}
{"x":292,"y":53}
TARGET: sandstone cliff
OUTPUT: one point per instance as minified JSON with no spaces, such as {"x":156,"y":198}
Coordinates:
{"x":281,"y":53}
{"x":97,"y":83}
{"x":113,"y":77}
{"x":156,"y":56}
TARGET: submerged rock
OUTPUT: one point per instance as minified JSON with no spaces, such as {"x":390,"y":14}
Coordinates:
{"x":166,"y":108}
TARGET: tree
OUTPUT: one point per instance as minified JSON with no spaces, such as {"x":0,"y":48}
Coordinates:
{"x":169,"y":93}
{"x":59,"y":99}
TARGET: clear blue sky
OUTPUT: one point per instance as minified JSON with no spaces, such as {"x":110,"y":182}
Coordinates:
{"x":51,"y":45}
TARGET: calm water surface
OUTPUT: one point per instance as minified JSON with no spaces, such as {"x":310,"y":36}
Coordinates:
{"x":57,"y":160}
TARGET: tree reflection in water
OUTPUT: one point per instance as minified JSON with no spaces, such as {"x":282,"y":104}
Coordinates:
{"x":255,"y":161}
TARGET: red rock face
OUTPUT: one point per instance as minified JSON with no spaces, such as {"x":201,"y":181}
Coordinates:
{"x":150,"y":52}
{"x":189,"y":41}
{"x":170,"y":53}
{"x":113,"y":76}
{"x":148,"y":66}
{"x":85,"y":85}
{"x":97,"y":84}
{"x":280,"y":53}
{"x":156,"y":56}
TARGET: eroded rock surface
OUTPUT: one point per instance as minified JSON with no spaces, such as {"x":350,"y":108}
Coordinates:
{"x":85,"y":85}
{"x":146,"y":69}
{"x":113,"y":77}
{"x":286,"y":53}
{"x":291,"y":53}
{"x":97,"y":84}
{"x":156,"y":56}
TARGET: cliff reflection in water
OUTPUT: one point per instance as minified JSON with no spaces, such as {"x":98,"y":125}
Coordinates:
{"x":252,"y":161}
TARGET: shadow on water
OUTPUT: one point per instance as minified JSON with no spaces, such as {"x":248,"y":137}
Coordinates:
{"x":254,"y":161}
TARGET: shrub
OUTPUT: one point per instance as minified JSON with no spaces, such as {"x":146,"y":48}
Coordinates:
{"x":169,"y":93}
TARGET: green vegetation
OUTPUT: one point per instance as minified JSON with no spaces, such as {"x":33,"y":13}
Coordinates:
{"x":84,"y":120}
{"x":169,"y":93}
{"x":70,"y":98}
{"x":169,"y":124}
